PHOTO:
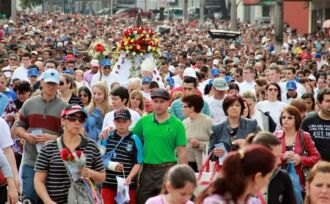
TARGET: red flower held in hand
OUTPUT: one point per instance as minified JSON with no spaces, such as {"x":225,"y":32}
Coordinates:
{"x":99,"y":48}
{"x":78,"y":153}
{"x":66,"y":155}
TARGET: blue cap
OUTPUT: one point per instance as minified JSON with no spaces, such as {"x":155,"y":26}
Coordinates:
{"x":170,"y":81}
{"x":291,"y":85}
{"x":229,"y":79}
{"x":317,"y":55}
{"x":146,"y":79}
{"x":33,"y":72}
{"x":68,"y":71}
{"x":215,"y":72}
{"x":105,"y":62}
{"x":51,"y":75}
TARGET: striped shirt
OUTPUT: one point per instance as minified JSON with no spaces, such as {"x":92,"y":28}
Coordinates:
{"x":58,"y":181}
{"x":128,"y":153}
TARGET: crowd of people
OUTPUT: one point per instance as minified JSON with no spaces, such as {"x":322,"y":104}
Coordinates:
{"x":256,"y":112}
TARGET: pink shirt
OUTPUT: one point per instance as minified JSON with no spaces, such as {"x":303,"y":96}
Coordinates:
{"x":160,"y":199}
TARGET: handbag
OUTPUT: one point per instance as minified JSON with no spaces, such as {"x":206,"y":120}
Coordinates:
{"x":205,"y":177}
{"x":83,"y":192}
{"x":295,"y":181}
{"x":304,"y":169}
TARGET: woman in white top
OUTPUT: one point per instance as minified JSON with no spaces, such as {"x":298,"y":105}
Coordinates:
{"x":273,"y":104}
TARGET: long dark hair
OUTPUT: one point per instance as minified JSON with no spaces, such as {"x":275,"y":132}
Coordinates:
{"x":238,"y":169}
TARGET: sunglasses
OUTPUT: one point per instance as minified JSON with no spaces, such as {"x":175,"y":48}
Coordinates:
{"x":83,"y":95}
{"x":107,"y":67}
{"x":12,"y":59}
{"x":61,"y":83}
{"x":272,"y":89}
{"x":287,"y":117}
{"x":74,"y":118}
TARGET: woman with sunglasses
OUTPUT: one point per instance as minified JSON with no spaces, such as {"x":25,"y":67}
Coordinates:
{"x":273,"y":104}
{"x":51,"y":180}
{"x":85,"y":95}
{"x":66,"y":92}
{"x":98,"y":107}
{"x":297,"y":145}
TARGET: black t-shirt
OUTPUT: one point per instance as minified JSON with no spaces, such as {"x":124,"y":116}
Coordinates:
{"x":319,"y":130}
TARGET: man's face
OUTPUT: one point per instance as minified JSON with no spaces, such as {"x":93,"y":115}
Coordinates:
{"x":188,"y":88}
{"x":289,"y":74}
{"x":49,"y":65}
{"x":321,"y":83}
{"x":273,"y":76}
{"x":117,"y":102}
{"x":160,"y":105}
{"x":247,"y":75}
{"x":292,"y":92}
{"x":26,"y":61}
{"x":70,"y":66}
{"x":325,"y":105}
{"x":3,"y":84}
{"x":328,"y":79}
{"x":49,"y":88}
{"x":106,"y":70}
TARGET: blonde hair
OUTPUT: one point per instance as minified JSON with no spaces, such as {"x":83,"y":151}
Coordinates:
{"x":136,"y":93}
{"x":319,"y":167}
{"x":105,"y":105}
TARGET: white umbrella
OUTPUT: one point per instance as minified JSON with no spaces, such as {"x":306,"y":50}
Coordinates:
{"x":326,"y":24}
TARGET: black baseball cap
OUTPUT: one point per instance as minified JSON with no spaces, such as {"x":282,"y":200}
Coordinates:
{"x":122,"y":114}
{"x":160,"y":93}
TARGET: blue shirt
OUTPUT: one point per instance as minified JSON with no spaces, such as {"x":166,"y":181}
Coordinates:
{"x":176,"y":109}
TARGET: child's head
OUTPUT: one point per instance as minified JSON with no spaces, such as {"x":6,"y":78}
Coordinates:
{"x":179,"y":183}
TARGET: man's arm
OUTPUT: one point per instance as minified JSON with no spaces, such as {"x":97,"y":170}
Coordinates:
{"x":8,"y":151}
{"x":182,"y":154}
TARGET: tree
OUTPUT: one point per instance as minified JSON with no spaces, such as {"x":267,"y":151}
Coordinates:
{"x":27,"y":4}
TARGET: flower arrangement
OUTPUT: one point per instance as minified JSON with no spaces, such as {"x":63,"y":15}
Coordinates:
{"x":99,"y":49}
{"x":139,"y":41}
{"x":75,"y":161}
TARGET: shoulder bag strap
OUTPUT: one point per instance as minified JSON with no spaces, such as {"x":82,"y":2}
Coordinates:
{"x":302,"y":143}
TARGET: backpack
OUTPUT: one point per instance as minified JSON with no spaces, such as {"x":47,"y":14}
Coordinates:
{"x":81,"y":192}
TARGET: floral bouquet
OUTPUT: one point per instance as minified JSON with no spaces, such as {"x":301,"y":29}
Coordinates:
{"x":139,"y":41}
{"x":99,"y":49}
{"x":75,"y":161}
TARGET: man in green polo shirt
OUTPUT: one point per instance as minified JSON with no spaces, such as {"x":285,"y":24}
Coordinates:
{"x":164,"y":136}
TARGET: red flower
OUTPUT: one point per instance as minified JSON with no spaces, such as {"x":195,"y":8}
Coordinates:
{"x":65,"y":154}
{"x":99,"y":48}
{"x":78,"y":153}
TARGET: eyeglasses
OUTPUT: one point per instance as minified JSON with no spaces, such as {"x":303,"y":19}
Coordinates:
{"x":187,"y":89}
{"x":287,"y":117}
{"x":272,"y":89}
{"x":83,"y":95}
{"x":61,"y":83}
{"x":74,"y":118}
{"x":12,"y":59}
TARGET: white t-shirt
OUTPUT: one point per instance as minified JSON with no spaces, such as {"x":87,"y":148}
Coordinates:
{"x":5,"y":140}
{"x":108,"y":119}
{"x":246,"y":86}
{"x":21,"y":74}
{"x":111,"y":78}
{"x":177,"y":81}
{"x":274,"y":109}
{"x":216,"y":110}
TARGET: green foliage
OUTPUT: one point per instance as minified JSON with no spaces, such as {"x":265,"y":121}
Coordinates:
{"x":30,"y":3}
